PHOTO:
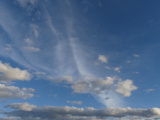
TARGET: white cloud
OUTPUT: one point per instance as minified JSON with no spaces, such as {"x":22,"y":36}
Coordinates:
{"x":31,"y":48}
{"x":103,"y":59}
{"x":93,"y":86}
{"x":73,"y":113}
{"x":7,"y":73}
{"x":22,"y":106}
{"x":125,"y":87}
{"x":117,"y":69}
{"x":8,"y":47}
{"x":75,"y":102}
{"x":28,"y":41}
{"x":150,"y":90}
{"x":15,"y":92}
{"x":136,"y":55}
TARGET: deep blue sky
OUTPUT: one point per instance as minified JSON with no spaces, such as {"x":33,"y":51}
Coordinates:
{"x":89,"y":54}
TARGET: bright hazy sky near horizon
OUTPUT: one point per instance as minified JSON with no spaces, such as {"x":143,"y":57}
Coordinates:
{"x":79,"y":59}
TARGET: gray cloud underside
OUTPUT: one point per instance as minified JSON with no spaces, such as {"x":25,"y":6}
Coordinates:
{"x":69,"y":113}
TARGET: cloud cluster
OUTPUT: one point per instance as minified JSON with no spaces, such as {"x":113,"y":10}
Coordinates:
{"x":93,"y":86}
{"x":15,"y":92}
{"x":21,"y":106}
{"x":7,"y":73}
{"x":125,"y":87}
{"x":97,"y":86}
{"x":26,"y":111}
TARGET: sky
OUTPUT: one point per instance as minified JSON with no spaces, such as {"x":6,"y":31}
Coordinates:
{"x":79,"y":60}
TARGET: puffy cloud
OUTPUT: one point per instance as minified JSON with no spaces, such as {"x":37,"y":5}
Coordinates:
{"x":69,"y":113}
{"x":117,"y":69}
{"x":31,"y":48}
{"x":15,"y":92}
{"x":93,"y":86}
{"x":75,"y":102}
{"x":103,"y":58}
{"x":125,"y":87}
{"x":22,"y":106}
{"x":7,"y":73}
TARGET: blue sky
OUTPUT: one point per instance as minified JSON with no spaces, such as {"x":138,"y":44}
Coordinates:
{"x":79,"y":59}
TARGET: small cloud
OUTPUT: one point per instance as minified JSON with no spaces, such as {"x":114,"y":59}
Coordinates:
{"x":8,"y":47}
{"x":117,"y":69}
{"x":7,"y":73}
{"x":136,"y":55}
{"x":149,"y":90}
{"x":75,"y":102}
{"x":125,"y":87}
{"x":107,"y":67}
{"x":136,"y":72}
{"x":103,"y":59}
{"x":32,"y":49}
{"x":128,"y":61}
{"x":28,"y":41}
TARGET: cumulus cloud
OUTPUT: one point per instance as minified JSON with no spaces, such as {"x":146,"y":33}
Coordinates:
{"x":31,"y":48}
{"x":93,"y":86}
{"x":125,"y":87}
{"x":7,"y":73}
{"x":75,"y":102}
{"x":15,"y":92}
{"x":103,"y":59}
{"x":22,"y":106}
{"x":69,"y":113}
{"x":117,"y":69}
